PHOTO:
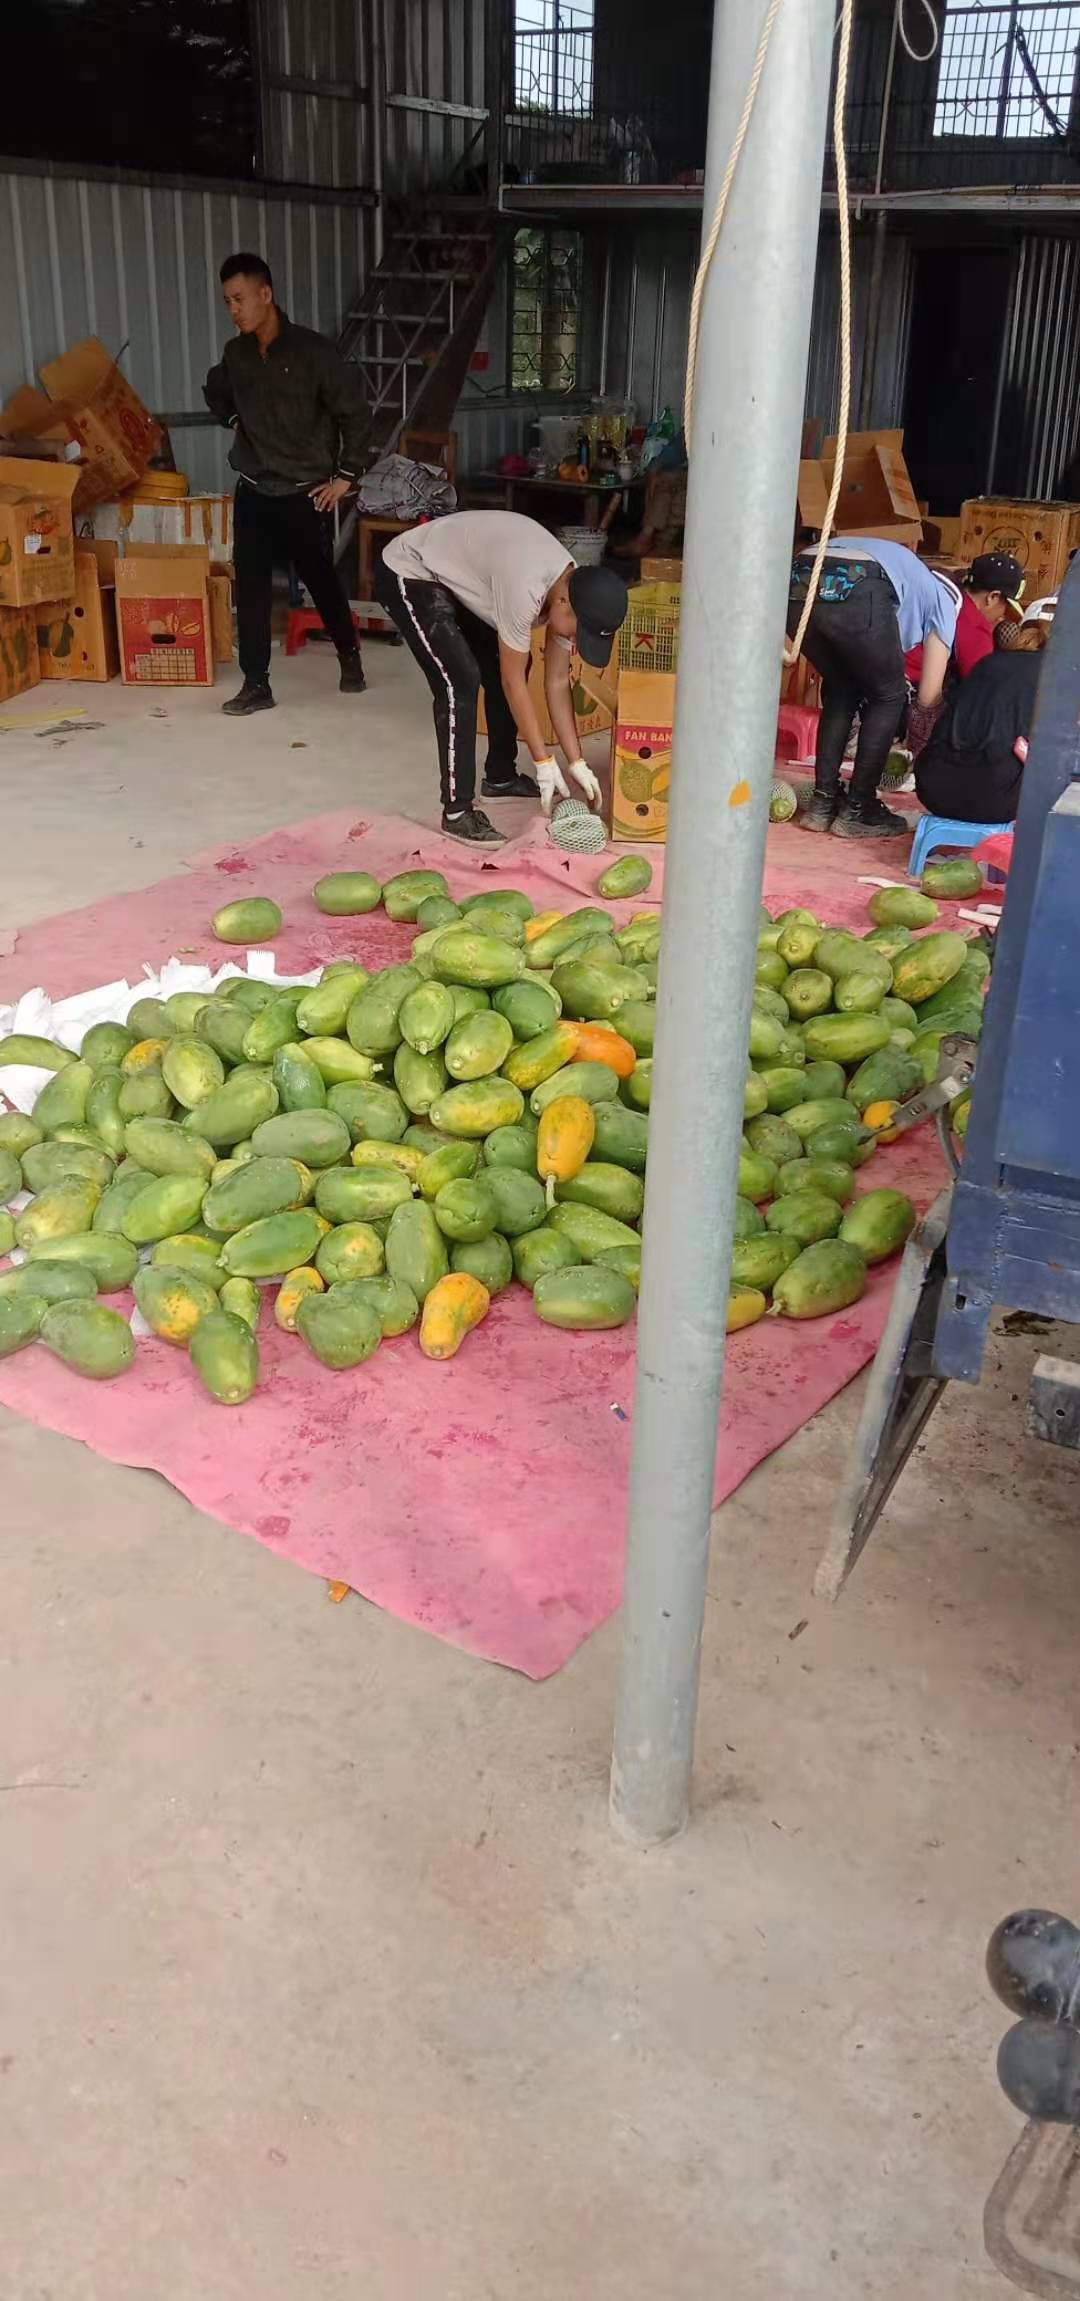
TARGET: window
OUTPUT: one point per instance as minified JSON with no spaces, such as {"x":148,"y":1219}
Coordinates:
{"x":544,"y":309}
{"x":1007,"y":71}
{"x":132,"y":84}
{"x":553,"y":56}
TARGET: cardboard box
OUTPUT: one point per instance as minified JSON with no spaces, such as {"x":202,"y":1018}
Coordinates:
{"x":221,"y":613}
{"x":163,"y":616}
{"x":76,"y":637}
{"x":18,"y":651}
{"x":193,"y":519}
{"x":37,"y":543}
{"x":1040,"y":535}
{"x":876,"y":494}
{"x":592,"y":716}
{"x":641,"y":755}
{"x":86,"y":397}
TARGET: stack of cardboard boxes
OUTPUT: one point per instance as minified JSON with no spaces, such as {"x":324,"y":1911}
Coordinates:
{"x":147,"y":601}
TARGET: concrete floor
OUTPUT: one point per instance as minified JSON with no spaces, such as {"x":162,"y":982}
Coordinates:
{"x":322,"y":1975}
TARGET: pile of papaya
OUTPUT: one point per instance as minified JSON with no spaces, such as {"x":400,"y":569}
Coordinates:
{"x":391,"y":1149}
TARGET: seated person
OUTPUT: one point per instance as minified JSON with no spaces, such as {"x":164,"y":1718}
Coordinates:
{"x":972,"y":765}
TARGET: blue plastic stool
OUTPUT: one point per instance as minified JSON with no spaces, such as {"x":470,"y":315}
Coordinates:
{"x":936,"y":831}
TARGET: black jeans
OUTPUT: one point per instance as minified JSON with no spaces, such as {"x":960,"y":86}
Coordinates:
{"x":855,"y":645}
{"x":458,"y":656}
{"x":275,"y":531}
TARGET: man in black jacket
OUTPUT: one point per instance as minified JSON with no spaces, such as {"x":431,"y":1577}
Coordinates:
{"x":301,"y":430}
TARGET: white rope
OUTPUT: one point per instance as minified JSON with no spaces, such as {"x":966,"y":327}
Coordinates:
{"x":918,"y":55}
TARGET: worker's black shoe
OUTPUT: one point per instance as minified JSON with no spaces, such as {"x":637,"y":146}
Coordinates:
{"x":352,"y":680}
{"x":254,"y":695}
{"x":512,"y":787}
{"x":819,"y":813}
{"x":474,"y":827}
{"x":871,"y":821}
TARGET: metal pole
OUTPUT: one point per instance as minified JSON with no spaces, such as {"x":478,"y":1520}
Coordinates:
{"x":744,"y":460}
{"x":873,"y":320}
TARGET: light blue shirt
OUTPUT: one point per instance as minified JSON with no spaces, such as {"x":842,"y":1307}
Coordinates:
{"x":926,"y":601}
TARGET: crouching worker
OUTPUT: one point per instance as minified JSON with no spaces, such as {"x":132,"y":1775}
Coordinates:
{"x":973,"y":763}
{"x":465,"y":593}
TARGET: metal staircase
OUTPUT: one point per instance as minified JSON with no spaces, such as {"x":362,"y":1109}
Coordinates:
{"x":415,"y":327}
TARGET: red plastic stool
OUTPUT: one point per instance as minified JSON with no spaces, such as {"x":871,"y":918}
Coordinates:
{"x":301,"y":621}
{"x":995,"y":853}
{"x":796,"y":733}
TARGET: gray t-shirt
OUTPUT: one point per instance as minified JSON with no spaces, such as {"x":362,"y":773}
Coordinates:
{"x":500,"y":565}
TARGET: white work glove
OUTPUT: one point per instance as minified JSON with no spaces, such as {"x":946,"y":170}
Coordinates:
{"x":550,"y":777}
{"x":587,"y":784}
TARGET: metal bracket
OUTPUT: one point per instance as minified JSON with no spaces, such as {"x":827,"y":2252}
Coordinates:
{"x":1053,"y":1409}
{"x":956,"y":1069}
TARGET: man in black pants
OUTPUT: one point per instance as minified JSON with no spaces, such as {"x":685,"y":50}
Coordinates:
{"x":301,"y":433}
{"x":465,"y":593}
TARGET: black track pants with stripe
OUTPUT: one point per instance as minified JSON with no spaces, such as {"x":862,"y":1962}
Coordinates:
{"x":458,"y":656}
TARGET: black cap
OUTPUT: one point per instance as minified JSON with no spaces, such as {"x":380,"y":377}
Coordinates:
{"x":995,"y":571}
{"x":598,"y":598}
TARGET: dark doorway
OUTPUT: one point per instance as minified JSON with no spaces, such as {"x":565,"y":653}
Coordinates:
{"x":959,"y":308}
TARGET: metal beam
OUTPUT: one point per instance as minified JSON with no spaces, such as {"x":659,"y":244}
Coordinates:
{"x":744,"y":462}
{"x":435,"y":104}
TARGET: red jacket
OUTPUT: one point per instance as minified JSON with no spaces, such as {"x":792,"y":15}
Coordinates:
{"x":974,"y":639}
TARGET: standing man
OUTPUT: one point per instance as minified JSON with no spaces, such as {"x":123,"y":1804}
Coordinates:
{"x":876,"y":601}
{"x":465,"y":592}
{"x":301,"y":433}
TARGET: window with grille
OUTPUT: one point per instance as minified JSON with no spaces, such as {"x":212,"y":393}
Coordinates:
{"x":1007,"y":71}
{"x":545,"y":308}
{"x":553,"y":56}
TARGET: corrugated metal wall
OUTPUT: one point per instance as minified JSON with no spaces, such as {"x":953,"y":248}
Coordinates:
{"x":1039,"y":431}
{"x":321,"y":133}
{"x":434,"y":50}
{"x":889,"y":385}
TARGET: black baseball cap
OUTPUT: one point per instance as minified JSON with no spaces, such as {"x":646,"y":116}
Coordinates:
{"x":995,"y":571}
{"x":598,"y":598}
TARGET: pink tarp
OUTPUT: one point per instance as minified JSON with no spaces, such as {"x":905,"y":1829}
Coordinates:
{"x":483,"y":1499}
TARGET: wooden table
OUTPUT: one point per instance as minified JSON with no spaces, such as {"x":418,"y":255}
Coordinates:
{"x":599,"y":499}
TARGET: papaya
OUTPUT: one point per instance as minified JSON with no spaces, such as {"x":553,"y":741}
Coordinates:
{"x":831,"y":1178}
{"x":488,"y":1259}
{"x":466,"y":1210}
{"x":105,"y":1045}
{"x":20,"y":1321}
{"x":273,"y":1027}
{"x":890,"y":1075}
{"x":511,"y":1146}
{"x":809,"y":992}
{"x":7,"y":1231}
{"x":890,"y":941}
{"x":484,"y":961}
{"x":232,"y":1114}
{"x":165,"y":1204}
{"x":637,"y":1023}
{"x":611,"y":1188}
{"x":149,"y":1019}
{"x":636,"y":1091}
{"x":837,"y":953}
{"x":65,"y":1207}
{"x":828,"y":1276}
{"x":361,"y":1194}
{"x":797,"y":942}
{"x":103,"y":1114}
{"x":191,"y":1070}
{"x":49,"y":1281}
{"x":426,"y":1017}
{"x":859,"y":994}
{"x":927,"y":965}
{"x":22,"y":1047}
{"x":540,"y":922}
{"x":468,"y":999}
{"x":479,"y":1045}
{"x":748,"y":1219}
{"x":620,"y":1136}
{"x":317,"y":1138}
{"x":416,"y":1248}
{"x":371,"y":1113}
{"x":423,"y":1137}
{"x":188,"y":1251}
{"x":372,"y":1024}
{"x":584,"y":1300}
{"x":113,"y":1204}
{"x":223,"y":1026}
{"x":272,"y":1246}
{"x":346,"y":894}
{"x":437,"y":912}
{"x":291,"y":1293}
{"x":225,"y":1356}
{"x":403,"y":894}
{"x":62,"y":1101}
{"x":519,"y":1200}
{"x":172,"y":1301}
{"x":405,"y":1158}
{"x":780,"y":1086}
{"x":259,"y":1187}
{"x":592,"y":993}
{"x":845,"y":1038}
{"x":46,"y":1163}
{"x":582,"y":1082}
{"x":478,"y":1106}
{"x":530,"y":1007}
{"x":453,"y":1306}
{"x":419,"y":1079}
{"x":546,"y":950}
{"x":298,"y":1079}
{"x":589,"y":1229}
{"x":773,"y":1139}
{"x":963,"y":991}
{"x":160,"y":1147}
{"x":757,"y":1176}
{"x":394,"y":1303}
{"x":841,"y":1138}
{"x":759,"y":1261}
{"x":507,"y":925}
{"x":242,"y":991}
{"x":498,"y":898}
{"x":543,"y":1249}
{"x":144,"y":1096}
{"x":953,"y":880}
{"x":818,"y":1111}
{"x":805,"y":1215}
{"x":145,"y":1055}
{"x":898,"y":1015}
{"x":111,"y":1261}
{"x":351,"y":1250}
{"x":746,"y":1304}
{"x":540,"y":1057}
{"x":631,"y":875}
{"x":18,"y":1133}
{"x":89,"y":1338}
{"x":625,"y":1259}
{"x":791,"y":1054}
{"x":755,"y":1095}
{"x":241,"y":1298}
{"x":255,"y":919}
{"x":322,"y":1010}
{"x":452,"y":1162}
{"x":879,"y":1223}
{"x":766,"y":1037}
{"x":901,"y":907}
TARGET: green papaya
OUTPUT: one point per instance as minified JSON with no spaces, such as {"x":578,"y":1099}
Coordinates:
{"x":419,"y":1079}
{"x":469,"y":956}
{"x":103,"y":1114}
{"x":241,"y":1298}
{"x":21,"y":1047}
{"x":145,"y":1095}
{"x":755,"y":1096}
{"x":589,"y":1229}
{"x":595,"y":994}
{"x":20,"y":1321}
{"x":477,"y":1107}
{"x":773,"y":1139}
{"x":528,"y":1006}
{"x":272,"y":1246}
{"x":637,"y":1023}
{"x":50,"y":1162}
{"x":621,"y":1136}
{"x":166,"y":1204}
{"x":372,"y":1023}
{"x":223,"y":1027}
{"x":809,"y":992}
{"x":7,"y":1231}
{"x":361,"y":1193}
{"x":901,"y":907}
{"x":770,"y":970}
{"x":437,"y":912}
{"x":241,"y":991}
{"x":105,"y":1045}
{"x":346,"y":894}
{"x":274,"y":1026}
{"x":631,"y":875}
{"x":964,"y":990}
{"x":182,"y":1008}
{"x":546,"y":950}
{"x":299,"y":1081}
{"x":859,"y":994}
{"x":65,"y":1207}
{"x":317,"y":1138}
{"x":323,"y":1010}
{"x":395,"y":1305}
{"x":172,"y":1301}
{"x":487,"y":1259}
{"x":350,"y":1250}
{"x":225,"y":1356}
{"x":513,"y":1146}
{"x":585,"y":1299}
{"x":260,"y":1187}
{"x":451,"y":1162}
{"x":954,"y":879}
{"x":56,"y":1281}
{"x":403,"y":894}
{"x":890,"y":941}
{"x":611,"y":1188}
{"x":797,"y":942}
{"x":520,"y":1201}
{"x":506,"y":925}
{"x":590,"y":1082}
{"x":543,"y":1249}
{"x":255,"y":919}
{"x":111,"y":1261}
{"x":498,"y":898}
{"x":636,"y":1091}
{"x":372,"y":1113}
{"x":466,"y":1210}
{"x":830,"y":1178}
{"x":843,"y":1139}
{"x":113,"y":1205}
{"x":18,"y":1133}
{"x":805,"y":1215}
{"x":478,"y":1045}
{"x":757,"y":1176}
{"x":62,"y":1102}
{"x":427,"y":1017}
{"x":89,"y":1338}
{"x":898,"y":1015}
{"x":888,"y":1076}
{"x":879,"y":1223}
{"x":232,"y":1113}
{"x":160,"y":1146}
{"x":148,"y":1019}
{"x":817,"y":1112}
{"x":190,"y":1252}
{"x":779,"y":1087}
{"x":845,"y":1038}
{"x":415,"y":1248}
{"x":828,"y":1276}
{"x":468,"y":999}
{"x":760,"y":1260}
{"x":837,"y":953}
{"x":766,"y":1037}
{"x":927,"y":965}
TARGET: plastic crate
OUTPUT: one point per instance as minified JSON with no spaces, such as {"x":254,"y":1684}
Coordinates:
{"x":649,"y":638}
